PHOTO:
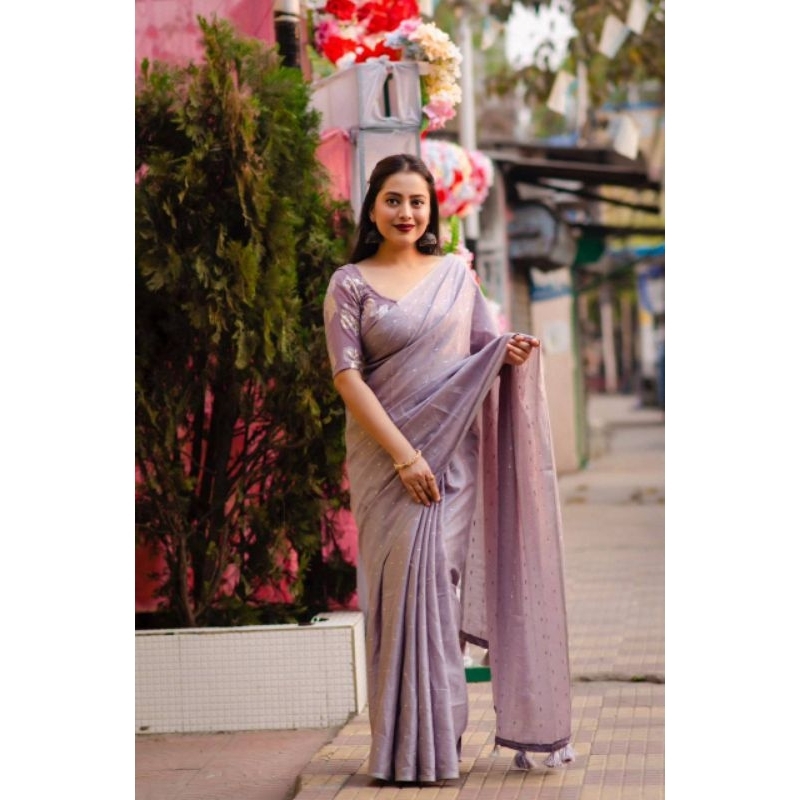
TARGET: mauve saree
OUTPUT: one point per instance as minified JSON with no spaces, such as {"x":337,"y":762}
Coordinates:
{"x":485,"y":564}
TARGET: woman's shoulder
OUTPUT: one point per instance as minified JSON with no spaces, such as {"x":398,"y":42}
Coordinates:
{"x":345,"y":271}
{"x":348,"y":278}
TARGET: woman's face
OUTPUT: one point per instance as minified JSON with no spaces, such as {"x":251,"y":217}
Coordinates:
{"x":402,"y":208}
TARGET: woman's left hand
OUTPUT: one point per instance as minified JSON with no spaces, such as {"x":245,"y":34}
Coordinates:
{"x":519,"y":349}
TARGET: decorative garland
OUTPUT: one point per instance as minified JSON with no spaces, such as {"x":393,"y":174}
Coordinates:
{"x":350,"y":32}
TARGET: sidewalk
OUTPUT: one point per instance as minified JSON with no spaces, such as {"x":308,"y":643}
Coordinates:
{"x":614,"y":548}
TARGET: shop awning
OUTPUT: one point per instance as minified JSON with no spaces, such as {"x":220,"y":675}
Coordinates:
{"x":536,"y":164}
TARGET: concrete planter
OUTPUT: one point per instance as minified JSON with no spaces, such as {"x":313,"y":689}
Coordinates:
{"x":260,"y":677}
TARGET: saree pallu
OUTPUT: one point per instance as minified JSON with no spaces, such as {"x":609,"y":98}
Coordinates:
{"x":486,"y":563}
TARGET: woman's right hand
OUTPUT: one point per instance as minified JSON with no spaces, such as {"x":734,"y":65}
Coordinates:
{"x":420,"y":482}
{"x":417,"y":477}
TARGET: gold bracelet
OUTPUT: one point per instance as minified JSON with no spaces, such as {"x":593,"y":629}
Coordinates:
{"x":413,"y":460}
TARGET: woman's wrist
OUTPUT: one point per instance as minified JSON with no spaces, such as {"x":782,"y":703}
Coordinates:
{"x":401,"y":465}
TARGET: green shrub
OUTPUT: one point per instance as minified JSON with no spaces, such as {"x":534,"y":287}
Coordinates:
{"x":239,"y":433}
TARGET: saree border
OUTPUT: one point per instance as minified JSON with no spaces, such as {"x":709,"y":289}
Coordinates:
{"x":534,"y":747}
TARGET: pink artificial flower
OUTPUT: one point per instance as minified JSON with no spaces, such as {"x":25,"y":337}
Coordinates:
{"x":326,"y":29}
{"x":439,"y":111}
{"x":407,"y":27}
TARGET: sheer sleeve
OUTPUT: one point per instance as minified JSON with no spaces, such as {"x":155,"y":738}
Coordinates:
{"x":342,"y":310}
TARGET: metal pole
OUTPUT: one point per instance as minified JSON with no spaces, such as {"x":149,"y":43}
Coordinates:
{"x":287,"y":30}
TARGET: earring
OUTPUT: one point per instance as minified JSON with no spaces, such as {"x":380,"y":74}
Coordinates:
{"x":428,"y":239}
{"x":373,"y":237}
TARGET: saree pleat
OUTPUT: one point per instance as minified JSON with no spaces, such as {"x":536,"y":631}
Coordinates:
{"x":484,"y":431}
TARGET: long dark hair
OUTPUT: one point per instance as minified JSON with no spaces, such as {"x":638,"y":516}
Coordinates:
{"x":385,"y":168}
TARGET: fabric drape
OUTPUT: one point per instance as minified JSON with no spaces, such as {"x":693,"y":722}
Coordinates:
{"x":485,"y":563}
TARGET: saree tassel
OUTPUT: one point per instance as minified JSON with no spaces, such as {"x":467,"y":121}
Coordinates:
{"x":554,"y":759}
{"x":522,"y":761}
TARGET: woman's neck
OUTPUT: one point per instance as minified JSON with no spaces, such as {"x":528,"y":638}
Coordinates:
{"x":403,"y":258}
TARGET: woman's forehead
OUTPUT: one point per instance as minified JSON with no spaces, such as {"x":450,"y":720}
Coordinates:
{"x":405,"y":183}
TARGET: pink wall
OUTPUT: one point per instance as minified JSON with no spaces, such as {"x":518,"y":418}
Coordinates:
{"x":166,"y":30}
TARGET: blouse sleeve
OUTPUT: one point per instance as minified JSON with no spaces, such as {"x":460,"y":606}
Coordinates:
{"x":342,"y":310}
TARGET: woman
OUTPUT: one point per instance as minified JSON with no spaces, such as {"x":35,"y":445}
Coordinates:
{"x":453,"y":492}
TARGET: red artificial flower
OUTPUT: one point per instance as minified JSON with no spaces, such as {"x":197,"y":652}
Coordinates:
{"x":383,"y":17}
{"x":334,"y":47}
{"x":401,"y":10}
{"x":380,"y":49}
{"x":341,"y":9}
{"x":366,"y":10}
{"x":378,"y":21}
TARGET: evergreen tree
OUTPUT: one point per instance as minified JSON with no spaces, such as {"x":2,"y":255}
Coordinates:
{"x":239,"y":432}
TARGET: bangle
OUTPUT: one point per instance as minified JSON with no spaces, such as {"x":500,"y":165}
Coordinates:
{"x":413,"y":460}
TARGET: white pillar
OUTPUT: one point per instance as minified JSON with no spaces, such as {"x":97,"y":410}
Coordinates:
{"x":607,"y":332}
{"x":626,"y":331}
{"x":466,"y":113}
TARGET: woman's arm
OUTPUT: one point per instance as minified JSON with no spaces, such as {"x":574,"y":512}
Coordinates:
{"x":371,"y":416}
{"x":365,"y":407}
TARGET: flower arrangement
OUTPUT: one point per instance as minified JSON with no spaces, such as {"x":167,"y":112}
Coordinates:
{"x":440,"y":68}
{"x":349,"y":32}
{"x":463,"y":177}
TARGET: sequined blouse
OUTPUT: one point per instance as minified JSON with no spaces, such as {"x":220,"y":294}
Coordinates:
{"x":351,"y":306}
